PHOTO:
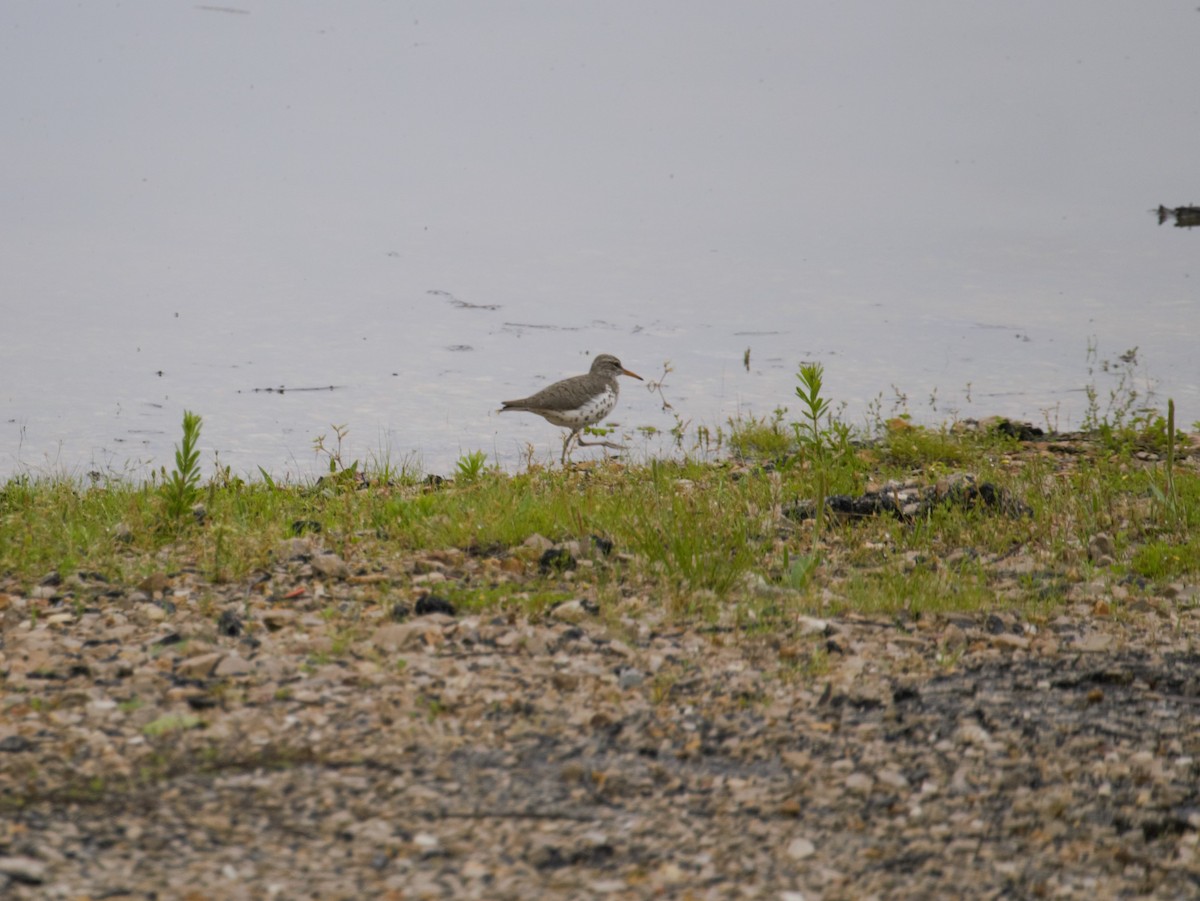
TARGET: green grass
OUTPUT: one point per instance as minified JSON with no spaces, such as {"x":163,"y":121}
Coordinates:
{"x":696,"y":537}
{"x":686,"y":534}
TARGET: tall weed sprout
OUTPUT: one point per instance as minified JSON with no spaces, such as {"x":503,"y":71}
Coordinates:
{"x":181,"y":488}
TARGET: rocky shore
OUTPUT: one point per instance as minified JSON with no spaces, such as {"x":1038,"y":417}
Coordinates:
{"x":178,"y":739}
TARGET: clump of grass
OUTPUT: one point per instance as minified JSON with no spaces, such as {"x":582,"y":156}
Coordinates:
{"x":914,"y":447}
{"x":1165,"y":560}
{"x":760,"y":438}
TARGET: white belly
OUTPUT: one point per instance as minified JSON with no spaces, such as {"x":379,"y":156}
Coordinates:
{"x":588,"y":414}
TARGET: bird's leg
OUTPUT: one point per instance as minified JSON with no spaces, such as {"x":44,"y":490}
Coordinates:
{"x":567,"y":444}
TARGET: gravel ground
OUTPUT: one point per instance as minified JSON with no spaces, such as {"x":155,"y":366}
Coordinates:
{"x":181,"y":740}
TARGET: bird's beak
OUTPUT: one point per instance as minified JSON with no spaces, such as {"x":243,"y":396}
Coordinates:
{"x":632,"y":374}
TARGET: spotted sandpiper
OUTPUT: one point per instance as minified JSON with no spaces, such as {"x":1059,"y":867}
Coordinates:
{"x":579,"y":401}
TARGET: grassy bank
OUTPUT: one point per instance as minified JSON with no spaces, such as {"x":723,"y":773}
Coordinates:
{"x":742,"y":541}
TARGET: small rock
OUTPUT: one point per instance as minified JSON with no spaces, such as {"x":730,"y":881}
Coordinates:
{"x":425,"y":841}
{"x":199,"y":667}
{"x":294,"y":549}
{"x":860,"y":783}
{"x":276,"y":618}
{"x":630,"y":678}
{"x":800,"y":848}
{"x":953,"y":638}
{"x":573,"y":612}
{"x":1101,"y":546}
{"x":152,"y":612}
{"x":1093,"y":642}
{"x":810,"y":625}
{"x":537,"y":542}
{"x":23,"y":869}
{"x":14,"y":743}
{"x":892,"y":779}
{"x":562,"y":681}
{"x":330,"y":565}
{"x":669,"y":873}
{"x":608,"y":886}
{"x":233,"y":665}
{"x":409,"y":636}
{"x":1012,"y":642}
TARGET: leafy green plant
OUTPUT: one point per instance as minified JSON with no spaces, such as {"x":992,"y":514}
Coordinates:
{"x":1166,"y":496}
{"x":181,"y":488}
{"x":471,"y":466}
{"x":341,"y":474}
{"x":796,"y":570}
{"x":817,"y":435}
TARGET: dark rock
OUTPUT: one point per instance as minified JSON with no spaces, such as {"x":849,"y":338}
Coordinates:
{"x":491,"y":549}
{"x":556,"y":559}
{"x":229,"y":624}
{"x":1022,"y":431}
{"x":432,"y":603}
{"x":909,"y":501}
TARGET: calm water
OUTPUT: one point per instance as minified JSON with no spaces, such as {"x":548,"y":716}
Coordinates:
{"x":434,"y":207}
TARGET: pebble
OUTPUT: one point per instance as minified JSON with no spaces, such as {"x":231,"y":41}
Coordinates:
{"x":630,"y":678}
{"x":861,"y":783}
{"x":200,"y":666}
{"x":23,"y":869}
{"x":233,"y":665}
{"x":330,"y":565}
{"x":1101,"y":549}
{"x":800,"y":849}
{"x":574,"y":611}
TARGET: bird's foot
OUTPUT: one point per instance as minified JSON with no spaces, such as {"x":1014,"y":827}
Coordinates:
{"x":613,"y":445}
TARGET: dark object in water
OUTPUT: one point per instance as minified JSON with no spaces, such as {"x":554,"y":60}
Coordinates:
{"x":1184,"y":216}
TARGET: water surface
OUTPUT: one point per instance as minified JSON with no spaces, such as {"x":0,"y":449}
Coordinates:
{"x":425,"y":209}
